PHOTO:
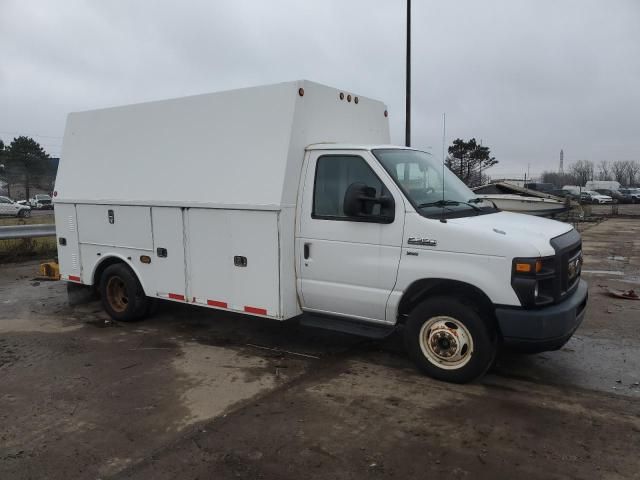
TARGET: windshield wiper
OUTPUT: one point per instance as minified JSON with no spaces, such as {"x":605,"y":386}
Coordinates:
{"x":480,"y":200}
{"x":444,"y":203}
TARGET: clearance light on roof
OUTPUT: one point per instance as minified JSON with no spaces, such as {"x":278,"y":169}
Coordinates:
{"x":341,"y":96}
{"x":386,"y":114}
{"x":301,"y":92}
{"x":356,"y":100}
{"x":348,"y":98}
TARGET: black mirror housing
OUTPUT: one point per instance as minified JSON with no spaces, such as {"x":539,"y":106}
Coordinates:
{"x":360,"y":199}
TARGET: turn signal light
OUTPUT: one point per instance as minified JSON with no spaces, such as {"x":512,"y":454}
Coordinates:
{"x":528,"y":267}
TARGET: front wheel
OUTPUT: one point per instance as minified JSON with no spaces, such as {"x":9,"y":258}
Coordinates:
{"x":24,"y":213}
{"x":122,"y":295}
{"x":449,"y":340}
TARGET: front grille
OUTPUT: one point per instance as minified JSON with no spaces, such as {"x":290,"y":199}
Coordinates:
{"x":568,"y":249}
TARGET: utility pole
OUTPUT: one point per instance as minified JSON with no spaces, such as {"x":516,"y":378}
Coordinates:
{"x":407,"y":133}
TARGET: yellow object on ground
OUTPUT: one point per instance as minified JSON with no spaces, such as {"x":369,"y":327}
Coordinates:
{"x":50,"y":270}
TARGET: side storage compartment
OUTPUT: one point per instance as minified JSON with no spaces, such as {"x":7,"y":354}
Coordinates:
{"x":115,"y":226}
{"x":233,"y":260}
{"x":67,"y":241}
{"x":168,"y":264}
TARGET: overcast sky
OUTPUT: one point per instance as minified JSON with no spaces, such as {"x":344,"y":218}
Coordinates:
{"x":526,"y":77}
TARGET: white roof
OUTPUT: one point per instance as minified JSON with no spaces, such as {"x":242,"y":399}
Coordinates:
{"x":237,"y":149}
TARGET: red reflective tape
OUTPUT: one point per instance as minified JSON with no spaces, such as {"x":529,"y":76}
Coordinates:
{"x":257,"y":311}
{"x":74,"y":278}
{"x":176,"y":296}
{"x":215,"y":303}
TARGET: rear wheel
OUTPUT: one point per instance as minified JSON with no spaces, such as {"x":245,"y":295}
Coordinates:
{"x":449,"y":340}
{"x":122,"y":295}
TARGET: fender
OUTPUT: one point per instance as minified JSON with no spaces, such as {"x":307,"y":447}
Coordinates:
{"x":115,"y":258}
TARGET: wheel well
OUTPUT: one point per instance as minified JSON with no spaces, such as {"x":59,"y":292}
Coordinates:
{"x":422,"y":289}
{"x":102,"y":266}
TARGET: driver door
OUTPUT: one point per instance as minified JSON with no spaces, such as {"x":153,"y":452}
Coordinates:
{"x":347,"y":266}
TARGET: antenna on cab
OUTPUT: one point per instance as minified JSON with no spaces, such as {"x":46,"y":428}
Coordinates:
{"x":444,"y":133}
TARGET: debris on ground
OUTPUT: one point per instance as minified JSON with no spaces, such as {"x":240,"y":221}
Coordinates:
{"x":616,"y":293}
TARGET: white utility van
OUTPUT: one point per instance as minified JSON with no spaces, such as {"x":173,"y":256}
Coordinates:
{"x":287,"y":201}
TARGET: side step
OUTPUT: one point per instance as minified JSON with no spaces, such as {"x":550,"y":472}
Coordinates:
{"x":352,"y":327}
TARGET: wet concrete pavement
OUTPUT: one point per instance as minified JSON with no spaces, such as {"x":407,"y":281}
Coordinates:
{"x":192,"y":393}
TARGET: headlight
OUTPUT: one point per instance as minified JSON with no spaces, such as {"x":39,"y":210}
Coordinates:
{"x":531,"y":278}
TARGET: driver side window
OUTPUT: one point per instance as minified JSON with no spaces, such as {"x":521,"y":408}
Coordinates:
{"x":334,"y":175}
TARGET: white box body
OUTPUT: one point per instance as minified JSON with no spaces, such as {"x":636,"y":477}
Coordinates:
{"x":205,"y":178}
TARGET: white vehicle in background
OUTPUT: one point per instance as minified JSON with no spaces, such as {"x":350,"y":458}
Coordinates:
{"x":287,"y":202}
{"x":14,"y":209}
{"x":41,"y":202}
{"x":633,"y":194}
{"x":592,"y":196}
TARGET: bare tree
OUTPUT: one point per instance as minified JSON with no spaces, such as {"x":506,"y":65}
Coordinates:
{"x":582,"y":170}
{"x":604,"y":171}
{"x":619,"y":171}
{"x":633,"y":171}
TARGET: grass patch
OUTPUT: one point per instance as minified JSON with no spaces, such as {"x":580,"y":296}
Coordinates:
{"x":39,"y":220}
{"x":27,"y":248}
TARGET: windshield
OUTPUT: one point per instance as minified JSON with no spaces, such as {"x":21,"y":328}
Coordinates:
{"x":420,"y":179}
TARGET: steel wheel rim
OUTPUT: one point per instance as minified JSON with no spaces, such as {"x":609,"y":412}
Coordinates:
{"x":446,"y":342}
{"x":117,"y":294}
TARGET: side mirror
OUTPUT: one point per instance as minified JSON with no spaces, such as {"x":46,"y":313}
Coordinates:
{"x":359,"y":200}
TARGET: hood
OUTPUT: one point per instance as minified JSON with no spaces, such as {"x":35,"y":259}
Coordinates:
{"x":520,"y":228}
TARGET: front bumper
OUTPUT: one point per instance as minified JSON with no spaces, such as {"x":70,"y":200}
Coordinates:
{"x":543,"y":329}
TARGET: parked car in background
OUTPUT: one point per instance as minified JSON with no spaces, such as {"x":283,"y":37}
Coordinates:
{"x":591,"y":196}
{"x":615,"y":194}
{"x":41,"y":202}
{"x":632,"y":193}
{"x":14,"y":209}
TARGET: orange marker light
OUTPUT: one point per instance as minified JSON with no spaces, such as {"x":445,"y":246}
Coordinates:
{"x":523,"y":267}
{"x":538,"y":266}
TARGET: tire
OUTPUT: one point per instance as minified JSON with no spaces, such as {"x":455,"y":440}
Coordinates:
{"x":449,"y":340}
{"x":24,"y":213}
{"x":122,"y":295}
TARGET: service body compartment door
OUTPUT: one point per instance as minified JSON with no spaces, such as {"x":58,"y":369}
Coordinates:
{"x":233,"y":260}
{"x":67,"y":238}
{"x":168,"y":252}
{"x":115,"y":226}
